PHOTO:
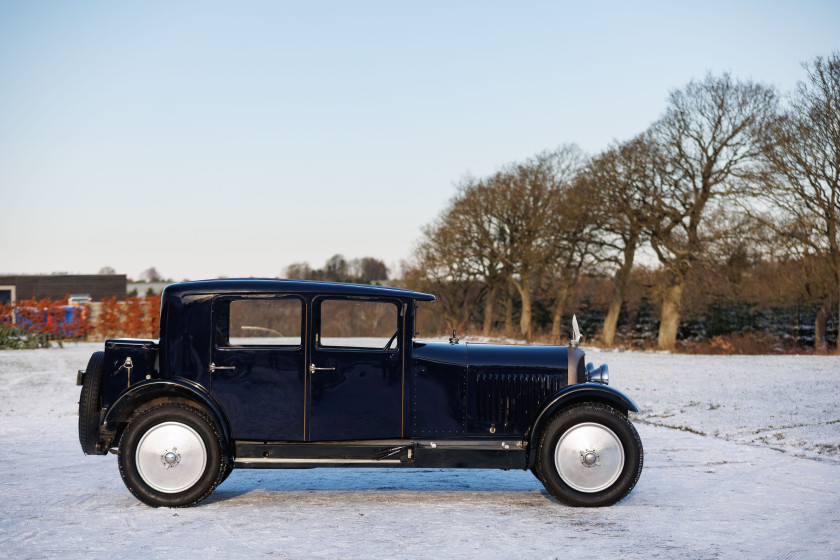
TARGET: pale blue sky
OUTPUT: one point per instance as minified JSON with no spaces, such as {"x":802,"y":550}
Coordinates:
{"x":234,"y":138}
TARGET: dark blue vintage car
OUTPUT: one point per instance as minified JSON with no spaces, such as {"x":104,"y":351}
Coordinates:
{"x":261,"y":374}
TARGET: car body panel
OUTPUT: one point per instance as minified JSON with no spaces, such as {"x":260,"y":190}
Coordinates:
{"x":438,"y":390}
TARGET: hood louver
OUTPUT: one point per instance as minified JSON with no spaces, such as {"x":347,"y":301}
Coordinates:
{"x":507,"y":398}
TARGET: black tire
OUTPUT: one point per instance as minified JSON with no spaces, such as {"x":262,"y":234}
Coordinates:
{"x":228,"y":469}
{"x":90,"y":405}
{"x":180,"y":461}
{"x":590,"y":455}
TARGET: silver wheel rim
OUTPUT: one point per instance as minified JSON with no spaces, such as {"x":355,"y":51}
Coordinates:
{"x":589,"y":457}
{"x":171,"y":457}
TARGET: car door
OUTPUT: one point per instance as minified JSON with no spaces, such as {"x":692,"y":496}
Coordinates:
{"x":257,"y":365}
{"x":356,"y":369}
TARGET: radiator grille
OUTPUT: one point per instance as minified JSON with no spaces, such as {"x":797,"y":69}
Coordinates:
{"x":509,"y":399}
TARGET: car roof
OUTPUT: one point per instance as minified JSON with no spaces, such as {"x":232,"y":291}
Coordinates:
{"x":281,"y":286}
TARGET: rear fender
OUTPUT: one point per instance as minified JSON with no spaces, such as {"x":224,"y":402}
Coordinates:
{"x":575,"y":394}
{"x":164,"y":390}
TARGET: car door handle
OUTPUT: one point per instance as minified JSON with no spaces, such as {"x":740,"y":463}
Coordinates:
{"x":214,"y":367}
{"x":313,"y":369}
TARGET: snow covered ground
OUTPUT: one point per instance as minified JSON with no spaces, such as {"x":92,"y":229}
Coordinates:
{"x":741,"y":461}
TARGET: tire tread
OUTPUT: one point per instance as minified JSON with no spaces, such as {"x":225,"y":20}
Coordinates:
{"x":89,"y":403}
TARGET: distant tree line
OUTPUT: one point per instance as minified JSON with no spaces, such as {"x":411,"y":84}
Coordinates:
{"x":732,"y":195}
{"x":366,"y":270}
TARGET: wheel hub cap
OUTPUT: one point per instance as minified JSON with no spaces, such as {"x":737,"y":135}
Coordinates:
{"x":589,"y":457}
{"x":163,"y":448}
{"x":171,"y":458}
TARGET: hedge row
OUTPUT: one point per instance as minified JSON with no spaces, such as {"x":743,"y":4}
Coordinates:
{"x":133,"y":317}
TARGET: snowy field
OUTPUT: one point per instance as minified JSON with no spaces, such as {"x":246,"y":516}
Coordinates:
{"x":741,"y":461}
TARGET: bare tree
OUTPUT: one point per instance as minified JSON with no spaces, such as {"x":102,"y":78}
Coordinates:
{"x":529,"y":206}
{"x":299,"y":271}
{"x":802,"y":151}
{"x":441,"y":263}
{"x":620,"y":183}
{"x":572,"y":233}
{"x":151,"y":275}
{"x":335,"y":269}
{"x":511,"y":227}
{"x":707,"y":137}
{"x":368,"y":269}
{"x":475,"y":239}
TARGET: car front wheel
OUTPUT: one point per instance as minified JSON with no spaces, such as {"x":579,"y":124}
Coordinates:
{"x":590,"y":455}
{"x":170,"y":455}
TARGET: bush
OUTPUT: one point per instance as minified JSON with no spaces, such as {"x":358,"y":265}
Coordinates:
{"x":746,"y":343}
{"x":13,"y":338}
{"x":134,"y":317}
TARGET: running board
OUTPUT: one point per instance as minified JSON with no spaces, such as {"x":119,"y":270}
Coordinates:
{"x":473,"y":453}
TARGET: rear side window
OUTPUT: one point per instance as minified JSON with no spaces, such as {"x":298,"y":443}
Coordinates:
{"x":259,"y":322}
{"x":359,"y":324}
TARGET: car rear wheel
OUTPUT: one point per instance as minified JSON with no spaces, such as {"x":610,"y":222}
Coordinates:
{"x":171,"y":455}
{"x":590,"y":455}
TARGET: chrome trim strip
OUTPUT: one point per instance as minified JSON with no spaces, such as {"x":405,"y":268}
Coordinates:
{"x":269,"y":460}
{"x":491,"y":445}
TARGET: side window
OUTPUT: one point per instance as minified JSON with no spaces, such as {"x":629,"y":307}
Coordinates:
{"x":428,"y":321}
{"x":258,"y":322}
{"x":359,"y":324}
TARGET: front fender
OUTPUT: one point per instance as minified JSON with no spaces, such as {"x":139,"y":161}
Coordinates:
{"x":150,"y":390}
{"x":574,"y":394}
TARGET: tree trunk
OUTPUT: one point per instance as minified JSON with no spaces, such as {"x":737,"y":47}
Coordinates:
{"x":620,"y":282}
{"x":524,"y":287}
{"x":509,"y":310}
{"x":819,"y":328}
{"x":559,"y":307}
{"x":611,"y":320}
{"x":671,"y":311}
{"x":488,"y":311}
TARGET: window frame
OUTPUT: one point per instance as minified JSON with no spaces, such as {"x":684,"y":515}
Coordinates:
{"x":317,"y":305}
{"x":228,"y":299}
